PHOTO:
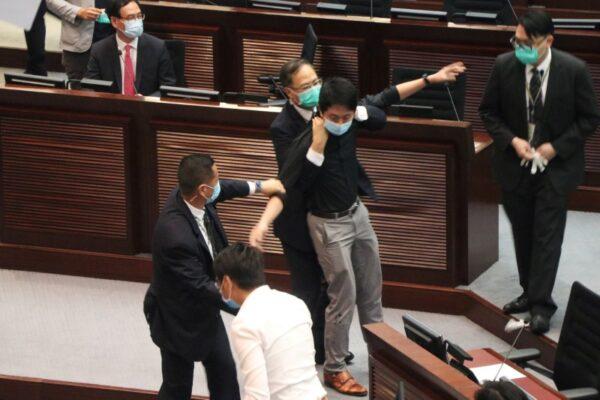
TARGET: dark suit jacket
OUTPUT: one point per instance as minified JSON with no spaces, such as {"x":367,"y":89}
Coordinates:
{"x":290,"y":227}
{"x":570,"y":115}
{"x":182,"y":304}
{"x":153,"y":67}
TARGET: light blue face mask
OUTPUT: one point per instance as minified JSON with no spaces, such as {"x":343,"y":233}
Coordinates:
{"x":134,"y":28}
{"x":230,"y":302}
{"x":216,"y":192}
{"x":103,"y":18}
{"x":527,"y":55}
{"x":310,"y":97}
{"x":337,"y":129}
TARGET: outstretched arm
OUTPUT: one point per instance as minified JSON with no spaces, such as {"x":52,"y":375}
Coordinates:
{"x":260,"y":230}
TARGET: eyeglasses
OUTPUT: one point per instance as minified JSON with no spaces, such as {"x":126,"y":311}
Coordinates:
{"x":515,"y":43}
{"x":141,"y":16}
{"x":309,"y":85}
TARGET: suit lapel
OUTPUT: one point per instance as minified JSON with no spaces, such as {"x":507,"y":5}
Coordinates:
{"x":138,"y":63}
{"x":553,"y":82}
{"x":192,"y":221}
{"x":117,"y":65}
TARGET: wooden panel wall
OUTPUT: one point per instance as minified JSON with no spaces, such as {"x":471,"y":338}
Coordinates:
{"x":64,"y":183}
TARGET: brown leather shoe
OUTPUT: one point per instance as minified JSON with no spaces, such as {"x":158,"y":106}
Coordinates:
{"x":344,"y":383}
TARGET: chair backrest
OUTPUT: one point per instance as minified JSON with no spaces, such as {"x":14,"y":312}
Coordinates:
{"x":500,"y":7}
{"x":435,"y":95}
{"x":381,"y":8}
{"x":577,"y":362}
{"x":309,"y":48}
{"x":176,"y":49}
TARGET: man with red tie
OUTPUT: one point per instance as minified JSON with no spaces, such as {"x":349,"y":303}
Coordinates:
{"x":136,"y":62}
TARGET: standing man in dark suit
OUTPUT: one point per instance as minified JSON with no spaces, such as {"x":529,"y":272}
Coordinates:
{"x":136,"y":62}
{"x":182,"y":304}
{"x":302,"y":87}
{"x":539,"y":106}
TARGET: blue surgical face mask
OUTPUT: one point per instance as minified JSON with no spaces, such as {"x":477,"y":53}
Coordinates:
{"x":527,"y":55}
{"x":216,"y":192}
{"x":230,"y":302}
{"x":103,"y":18}
{"x":337,"y":129}
{"x":310,"y":97}
{"x":134,"y":28}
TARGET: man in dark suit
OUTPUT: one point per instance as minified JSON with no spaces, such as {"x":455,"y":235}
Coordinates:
{"x":183,"y":302}
{"x":302,"y":87}
{"x":539,"y":106}
{"x":36,"y":43}
{"x":136,"y":62}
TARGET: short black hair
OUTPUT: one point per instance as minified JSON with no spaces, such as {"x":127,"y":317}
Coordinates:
{"x":193,"y":171}
{"x":500,"y":390}
{"x":537,"y":23}
{"x":287,"y":71}
{"x":338,"y":91}
{"x":113,"y":9}
{"x":243,"y":264}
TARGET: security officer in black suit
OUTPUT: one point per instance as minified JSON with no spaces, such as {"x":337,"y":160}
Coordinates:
{"x":302,"y":87}
{"x":183,"y":302}
{"x":539,"y":106}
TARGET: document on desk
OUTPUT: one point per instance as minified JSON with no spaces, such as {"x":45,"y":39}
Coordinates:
{"x":20,"y":13}
{"x":489,"y":372}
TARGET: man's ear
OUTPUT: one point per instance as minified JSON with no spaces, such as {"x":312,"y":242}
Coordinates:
{"x":550,"y":40}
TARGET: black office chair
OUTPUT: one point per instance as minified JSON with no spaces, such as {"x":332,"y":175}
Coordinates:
{"x":577,"y":363}
{"x":466,"y":11}
{"x":176,"y":50}
{"x":433,"y":101}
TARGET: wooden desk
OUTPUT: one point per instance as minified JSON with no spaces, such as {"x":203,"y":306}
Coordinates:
{"x":228,"y":48}
{"x":87,"y":172}
{"x":393,"y":358}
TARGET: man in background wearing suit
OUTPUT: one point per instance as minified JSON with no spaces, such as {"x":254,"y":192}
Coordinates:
{"x":36,"y":43}
{"x":539,"y":106}
{"x":78,"y":21}
{"x":302,"y":87}
{"x":182,"y":303}
{"x":136,"y":62}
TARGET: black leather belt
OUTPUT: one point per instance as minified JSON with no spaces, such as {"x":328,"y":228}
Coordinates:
{"x":336,"y":215}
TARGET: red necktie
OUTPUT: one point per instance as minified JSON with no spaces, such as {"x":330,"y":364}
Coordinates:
{"x":129,"y":82}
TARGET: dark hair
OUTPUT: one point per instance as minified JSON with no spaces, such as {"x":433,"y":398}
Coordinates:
{"x":194,"y":170}
{"x":243,"y":264}
{"x":113,"y":9}
{"x":537,"y":23}
{"x":287,"y":71}
{"x":500,"y":390}
{"x":338,"y":91}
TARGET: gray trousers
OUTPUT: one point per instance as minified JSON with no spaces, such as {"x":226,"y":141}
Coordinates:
{"x":348,"y":252}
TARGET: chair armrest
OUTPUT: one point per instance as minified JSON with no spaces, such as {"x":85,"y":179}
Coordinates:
{"x":587,"y":393}
{"x":522,"y":356}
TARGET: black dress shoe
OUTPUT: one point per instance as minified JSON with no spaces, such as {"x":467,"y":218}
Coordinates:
{"x":518,"y":305}
{"x":539,"y":324}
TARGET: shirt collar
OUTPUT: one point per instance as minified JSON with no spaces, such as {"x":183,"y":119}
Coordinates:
{"x":121,"y":44}
{"x":196,"y":212}
{"x":544,"y":65}
{"x":304,"y":113}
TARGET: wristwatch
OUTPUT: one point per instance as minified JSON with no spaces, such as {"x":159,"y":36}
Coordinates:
{"x":425,"y":76}
{"x":258,"y":186}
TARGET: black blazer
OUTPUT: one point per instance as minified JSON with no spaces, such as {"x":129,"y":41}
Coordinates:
{"x":153,"y":67}
{"x":290,"y":226}
{"x":182,"y":303}
{"x":570,"y":115}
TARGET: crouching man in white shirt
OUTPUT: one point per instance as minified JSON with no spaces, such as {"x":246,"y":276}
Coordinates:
{"x":271,"y":334}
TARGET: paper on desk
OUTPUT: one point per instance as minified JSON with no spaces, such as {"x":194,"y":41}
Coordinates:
{"x":489,"y":372}
{"x":20,"y":13}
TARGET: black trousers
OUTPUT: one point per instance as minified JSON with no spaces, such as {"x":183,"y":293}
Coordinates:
{"x":36,"y":43}
{"x":538,"y":215}
{"x":309,"y":285}
{"x":178,"y":372}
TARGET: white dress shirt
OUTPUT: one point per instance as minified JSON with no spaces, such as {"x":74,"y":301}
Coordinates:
{"x":273,"y":341}
{"x":133,"y":53}
{"x":545,"y":68}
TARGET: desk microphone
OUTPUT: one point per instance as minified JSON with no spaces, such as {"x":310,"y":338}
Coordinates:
{"x":511,"y":326}
{"x":121,"y":57}
{"x":452,"y":101}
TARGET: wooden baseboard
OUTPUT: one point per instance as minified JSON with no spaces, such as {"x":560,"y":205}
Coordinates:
{"x":21,"y":388}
